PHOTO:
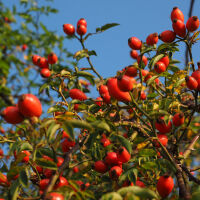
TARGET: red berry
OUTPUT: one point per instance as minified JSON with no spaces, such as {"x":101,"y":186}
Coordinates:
{"x":45,"y":72}
{"x":24,"y":47}
{"x":82,"y":21}
{"x":147,"y":77}
{"x":125,"y":83}
{"x":191,"y":82}
{"x":62,"y":181}
{"x":39,"y":169}
{"x":134,"y":54}
{"x":167,"y":36}
{"x":55,"y":196}
{"x":68,"y":29}
{"x":48,"y":173}
{"x":196,"y":74}
{"x":35,"y":59}
{"x":4,"y":180}
{"x":134,"y":43}
{"x":65,"y":134}
{"x":43,"y":184}
{"x":163,"y":140}
{"x":123,"y":155}
{"x":29,"y":105}
{"x":77,"y":94}
{"x":165,"y":60}
{"x":144,"y":72}
{"x":177,"y":14}
{"x":105,"y":142}
{"x":43,"y":62}
{"x":139,"y":184}
{"x":75,"y":169}
{"x":111,"y":158}
{"x":160,"y":67}
{"x":162,"y":127}
{"x":52,"y":58}
{"x":115,"y":92}
{"x":106,"y":98}
{"x":12,"y":115}
{"x":165,"y":185}
{"x":67,"y":144}
{"x":60,"y":161}
{"x":115,"y":172}
{"x":143,"y":95}
{"x":99,"y":101}
{"x":152,"y":39}
{"x":179,"y":28}
{"x":131,"y":71}
{"x":100,"y":166}
{"x":26,"y":157}
{"x":81,"y":29}
{"x":1,"y":152}
{"x":144,"y":60}
{"x":103,"y":89}
{"x":178,"y":119}
{"x":192,"y":24}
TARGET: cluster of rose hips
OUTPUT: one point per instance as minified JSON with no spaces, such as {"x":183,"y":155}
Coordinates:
{"x":81,"y":28}
{"x":43,"y":63}
{"x":28,"y":106}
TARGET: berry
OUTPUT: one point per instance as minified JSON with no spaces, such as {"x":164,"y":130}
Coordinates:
{"x":131,"y":71}
{"x":144,"y":60}
{"x":196,"y":74}
{"x":105,"y":142}
{"x":67,"y":144}
{"x":77,"y":94}
{"x":4,"y":180}
{"x":163,"y":140}
{"x":139,"y":184}
{"x":143,"y":95}
{"x":55,"y":196}
{"x":160,"y":67}
{"x":179,"y":28}
{"x":68,"y":29}
{"x":123,"y":155}
{"x":12,"y":115}
{"x":35,"y":59}
{"x":42,"y":62}
{"x":134,"y":54}
{"x":45,"y":72}
{"x":144,"y":72}
{"x":165,"y":60}
{"x":1,"y":152}
{"x":24,"y":47}
{"x":192,"y":24}
{"x":178,"y":119}
{"x":165,"y":185}
{"x":52,"y":58}
{"x":43,"y":184}
{"x":152,"y":39}
{"x":100,"y":166}
{"x":125,"y":83}
{"x":26,"y":157}
{"x":81,"y":29}
{"x":99,"y":101}
{"x":167,"y":36}
{"x":82,"y":21}
{"x":115,"y":172}
{"x":191,"y":82}
{"x":134,"y":43}
{"x":62,"y":181}
{"x":103,"y":89}
{"x":60,"y":161}
{"x":111,"y":158}
{"x":29,"y":105}
{"x":162,"y":127}
{"x":65,"y":134}
{"x":115,"y":92}
{"x":177,"y":14}
{"x":75,"y":169}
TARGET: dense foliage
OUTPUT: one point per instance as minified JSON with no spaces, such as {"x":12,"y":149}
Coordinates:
{"x":138,"y":139}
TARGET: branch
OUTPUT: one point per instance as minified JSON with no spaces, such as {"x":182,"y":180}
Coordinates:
{"x":191,"y":177}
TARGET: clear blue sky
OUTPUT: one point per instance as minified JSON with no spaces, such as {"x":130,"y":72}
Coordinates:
{"x":136,"y":18}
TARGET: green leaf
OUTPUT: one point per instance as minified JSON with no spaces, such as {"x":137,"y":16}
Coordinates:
{"x":14,"y":170}
{"x":124,"y":142}
{"x":147,"y":152}
{"x":13,"y":192}
{"x":152,"y":95}
{"x":81,"y":54}
{"x":87,"y":76}
{"x":52,"y":130}
{"x":173,"y":68}
{"x":24,"y":146}
{"x":178,"y":83}
{"x":152,"y":79}
{"x":46,"y":163}
{"x":130,"y":174}
{"x":111,"y":196}
{"x":149,"y":165}
{"x":68,"y":129}
{"x":56,"y":108}
{"x":79,"y":124}
{"x":106,"y":27}
{"x":23,"y":177}
{"x":155,"y":59}
{"x":92,"y":53}
{"x":101,"y":125}
{"x":44,"y":86}
{"x":138,"y":191}
{"x":64,"y":72}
